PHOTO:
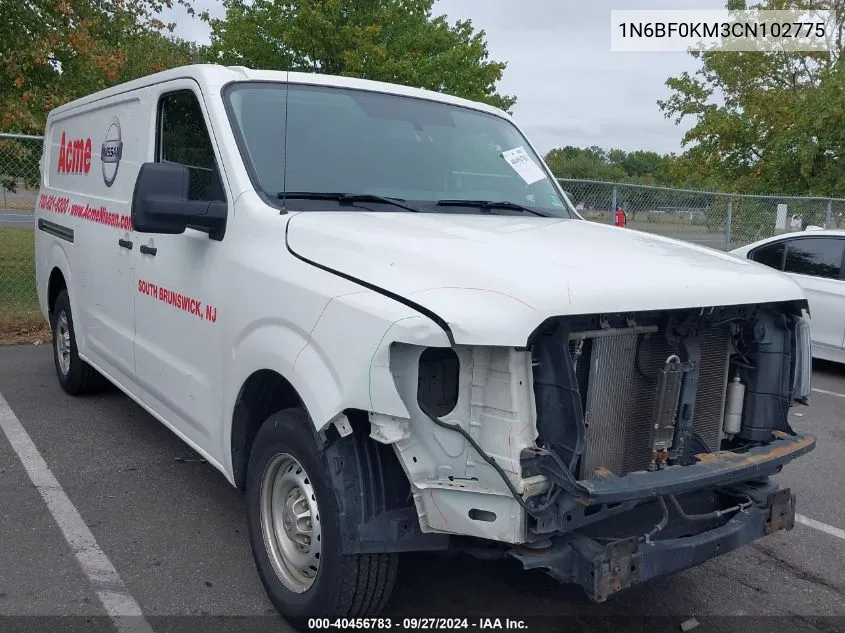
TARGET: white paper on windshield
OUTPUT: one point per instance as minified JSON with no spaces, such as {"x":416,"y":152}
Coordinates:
{"x":523,"y":165}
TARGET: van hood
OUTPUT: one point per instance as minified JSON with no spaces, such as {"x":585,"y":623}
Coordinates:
{"x":494,"y":279}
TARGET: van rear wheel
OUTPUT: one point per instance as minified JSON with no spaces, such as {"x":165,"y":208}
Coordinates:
{"x":294,"y":528}
{"x":75,"y":375}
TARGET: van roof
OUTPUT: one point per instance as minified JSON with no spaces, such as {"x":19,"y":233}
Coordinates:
{"x":215,"y":76}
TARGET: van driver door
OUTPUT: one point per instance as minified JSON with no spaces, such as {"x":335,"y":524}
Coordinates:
{"x":178,"y":355}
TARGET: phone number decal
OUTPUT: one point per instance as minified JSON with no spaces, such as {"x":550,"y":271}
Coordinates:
{"x":417,"y":624}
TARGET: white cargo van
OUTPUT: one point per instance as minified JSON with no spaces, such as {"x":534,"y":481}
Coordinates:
{"x":373,"y":309}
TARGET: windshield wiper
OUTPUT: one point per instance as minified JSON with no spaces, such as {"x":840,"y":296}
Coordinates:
{"x":489,"y":204}
{"x":344,"y":198}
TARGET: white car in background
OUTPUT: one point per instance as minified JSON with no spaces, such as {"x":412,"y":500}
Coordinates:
{"x":815,"y":258}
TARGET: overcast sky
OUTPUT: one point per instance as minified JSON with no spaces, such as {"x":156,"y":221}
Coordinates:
{"x":572,"y":89}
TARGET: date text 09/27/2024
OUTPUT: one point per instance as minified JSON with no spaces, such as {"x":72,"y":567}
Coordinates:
{"x":421,"y":624}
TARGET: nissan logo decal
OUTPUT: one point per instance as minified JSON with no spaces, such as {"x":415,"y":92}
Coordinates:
{"x":111,"y":153}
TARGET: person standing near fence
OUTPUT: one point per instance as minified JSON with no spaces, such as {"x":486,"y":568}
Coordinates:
{"x":621,"y":217}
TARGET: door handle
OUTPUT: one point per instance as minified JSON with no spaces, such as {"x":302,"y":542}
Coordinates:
{"x":148,"y":250}
{"x":125,"y":244}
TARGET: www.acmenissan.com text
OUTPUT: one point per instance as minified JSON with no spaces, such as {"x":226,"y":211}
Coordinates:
{"x":709,"y":30}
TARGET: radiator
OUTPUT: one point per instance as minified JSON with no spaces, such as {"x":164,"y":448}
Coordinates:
{"x":621,"y":379}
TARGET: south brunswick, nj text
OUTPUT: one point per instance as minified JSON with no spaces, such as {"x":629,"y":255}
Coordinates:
{"x":680,"y":30}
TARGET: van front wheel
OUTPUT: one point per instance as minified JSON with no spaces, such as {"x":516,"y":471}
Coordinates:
{"x":74,"y":374}
{"x":294,"y":528}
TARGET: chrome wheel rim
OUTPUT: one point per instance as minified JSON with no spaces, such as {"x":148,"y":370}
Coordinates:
{"x":290,"y":522}
{"x":63,"y":342}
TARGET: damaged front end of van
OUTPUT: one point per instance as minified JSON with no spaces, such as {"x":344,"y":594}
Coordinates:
{"x":604,"y":432}
{"x":612,"y":448}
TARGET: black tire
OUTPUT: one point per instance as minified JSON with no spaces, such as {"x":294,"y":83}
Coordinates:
{"x":345,"y":585}
{"x":79,"y":377}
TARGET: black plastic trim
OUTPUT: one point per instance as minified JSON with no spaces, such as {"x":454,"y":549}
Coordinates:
{"x":712,"y":469}
{"x":372,"y":492}
{"x":605,"y":569}
{"x":57,"y":230}
{"x":387,"y":293}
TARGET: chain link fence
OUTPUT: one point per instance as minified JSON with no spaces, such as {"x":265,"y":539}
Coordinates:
{"x":718,"y":220}
{"x":19,"y":177}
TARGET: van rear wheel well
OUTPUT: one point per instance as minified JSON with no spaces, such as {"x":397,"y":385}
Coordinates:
{"x":264,"y":393}
{"x":55,"y":285}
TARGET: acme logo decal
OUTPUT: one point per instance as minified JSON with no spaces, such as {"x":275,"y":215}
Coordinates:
{"x":74,"y":155}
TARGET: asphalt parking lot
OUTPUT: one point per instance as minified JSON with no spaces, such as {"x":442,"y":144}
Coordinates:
{"x":17,"y":218}
{"x":174,"y":532}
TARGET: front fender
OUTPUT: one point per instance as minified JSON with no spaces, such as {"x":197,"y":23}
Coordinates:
{"x":356,"y":332}
{"x":274,"y":344}
{"x":341,"y":363}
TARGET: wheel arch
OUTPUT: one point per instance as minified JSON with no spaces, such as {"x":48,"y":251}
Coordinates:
{"x":277,"y":366}
{"x":58,"y":278}
{"x":55,"y":284}
{"x":373,"y":493}
{"x":270,"y":376}
{"x":262,"y":394}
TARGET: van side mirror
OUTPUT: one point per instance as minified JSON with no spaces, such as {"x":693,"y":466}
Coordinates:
{"x":162,"y":203}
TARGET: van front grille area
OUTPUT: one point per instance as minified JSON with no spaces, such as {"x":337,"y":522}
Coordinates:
{"x":618,"y":376}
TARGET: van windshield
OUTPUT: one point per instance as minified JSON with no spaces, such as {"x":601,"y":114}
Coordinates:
{"x":301,"y":141}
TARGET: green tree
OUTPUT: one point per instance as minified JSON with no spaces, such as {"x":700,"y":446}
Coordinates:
{"x":615,"y":165}
{"x":640,"y":164}
{"x":53,"y":51}
{"x":398,"y":41}
{"x":763,"y":122}
{"x":592,"y":163}
{"x":153,"y":52}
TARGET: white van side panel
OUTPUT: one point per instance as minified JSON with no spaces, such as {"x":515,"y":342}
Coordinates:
{"x":94,"y":154}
